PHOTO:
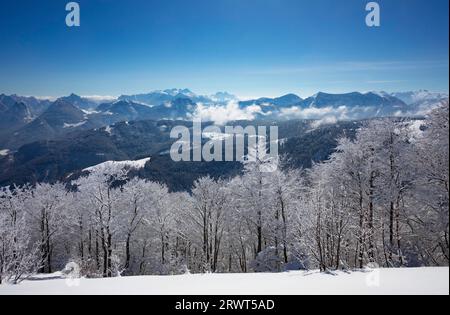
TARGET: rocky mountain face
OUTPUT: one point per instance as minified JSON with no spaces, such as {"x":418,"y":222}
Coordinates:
{"x":59,"y":119}
{"x":15,"y":116}
{"x":35,"y":106}
{"x":157,"y":98}
{"x":80,"y":102}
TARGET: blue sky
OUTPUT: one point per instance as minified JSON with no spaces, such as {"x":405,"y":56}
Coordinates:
{"x":247,"y":47}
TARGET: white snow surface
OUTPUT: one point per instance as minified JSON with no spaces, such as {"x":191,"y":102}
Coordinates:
{"x":81,"y":123}
{"x":109,"y":129}
{"x":215,"y":136}
{"x":113,"y":165}
{"x":4,"y":152}
{"x":90,"y":111}
{"x":412,"y":281}
{"x":416,"y":128}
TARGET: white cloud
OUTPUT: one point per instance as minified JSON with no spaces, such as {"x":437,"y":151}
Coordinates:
{"x":328,"y":120}
{"x":221,"y":114}
{"x":100,"y":98}
{"x":338,"y":113}
{"x":45,"y":98}
{"x":322,"y":116}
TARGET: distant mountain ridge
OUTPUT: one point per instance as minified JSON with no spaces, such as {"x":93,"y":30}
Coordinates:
{"x":413,"y":97}
{"x":35,"y":106}
{"x":15,"y":116}
{"x":354,"y":99}
{"x":60,"y":118}
{"x":419,"y":102}
{"x":157,"y":98}
{"x":16,"y":111}
{"x":24,"y":120}
{"x":350,"y":106}
{"x":80,"y":102}
{"x":283,"y":101}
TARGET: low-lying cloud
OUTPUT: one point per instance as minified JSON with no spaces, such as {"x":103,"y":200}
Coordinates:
{"x":100,"y":98}
{"x":221,"y":114}
{"x":331,"y":114}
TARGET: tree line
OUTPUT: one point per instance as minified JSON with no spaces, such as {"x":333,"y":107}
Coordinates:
{"x":382,"y":198}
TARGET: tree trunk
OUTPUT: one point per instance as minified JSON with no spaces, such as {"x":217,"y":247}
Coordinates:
{"x":371,"y":218}
{"x":259,"y":232}
{"x":391,"y":232}
{"x":127,"y":253}
{"x":48,"y":246}
{"x":283,"y":216}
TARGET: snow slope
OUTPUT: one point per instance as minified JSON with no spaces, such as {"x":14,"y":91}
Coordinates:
{"x":4,"y":152}
{"x":379,"y":281}
{"x":113,"y":165}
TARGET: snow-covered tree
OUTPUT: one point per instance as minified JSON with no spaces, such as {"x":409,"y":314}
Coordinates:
{"x":428,"y":205}
{"x":46,"y":215}
{"x":19,"y":256}
{"x":100,"y":193}
{"x":208,"y":217}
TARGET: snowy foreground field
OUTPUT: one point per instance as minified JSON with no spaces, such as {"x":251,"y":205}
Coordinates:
{"x":384,"y":281}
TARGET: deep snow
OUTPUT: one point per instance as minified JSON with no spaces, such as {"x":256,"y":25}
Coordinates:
{"x":379,"y":281}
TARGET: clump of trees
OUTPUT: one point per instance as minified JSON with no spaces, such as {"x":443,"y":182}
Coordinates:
{"x":381,"y":198}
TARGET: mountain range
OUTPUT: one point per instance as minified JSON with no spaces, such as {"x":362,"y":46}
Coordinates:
{"x":45,"y":140}
{"x":16,"y":115}
{"x":419,"y":102}
{"x":25,"y":120}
